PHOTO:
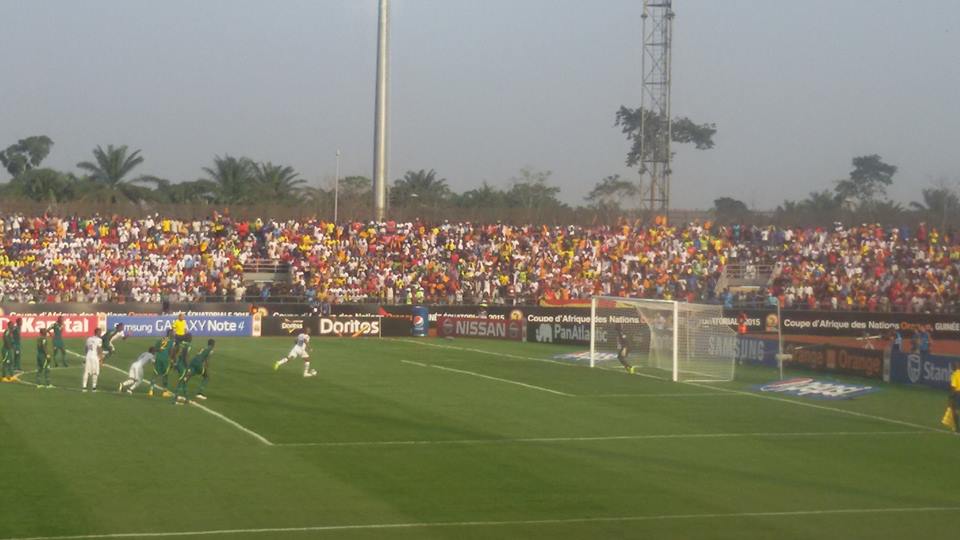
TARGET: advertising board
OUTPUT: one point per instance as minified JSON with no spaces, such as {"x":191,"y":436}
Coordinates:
{"x":480,"y":328}
{"x":928,"y":370}
{"x":74,"y":326}
{"x":198,"y":325}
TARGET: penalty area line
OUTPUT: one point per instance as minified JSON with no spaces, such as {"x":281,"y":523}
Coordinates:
{"x":490,"y":377}
{"x":203,"y":408}
{"x":508,"y":523}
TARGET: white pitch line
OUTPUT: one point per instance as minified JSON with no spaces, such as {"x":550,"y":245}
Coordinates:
{"x":507,"y":523}
{"x":665,"y":395}
{"x":650,"y":437}
{"x":492,"y":378}
{"x":728,"y":390}
{"x":203,"y":408}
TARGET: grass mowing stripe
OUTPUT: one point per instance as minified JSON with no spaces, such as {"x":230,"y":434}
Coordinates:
{"x":728,"y":390}
{"x":649,"y":437}
{"x":491,"y":353}
{"x":505,"y":523}
{"x":490,"y":377}
{"x":203,"y":408}
{"x":824,"y":408}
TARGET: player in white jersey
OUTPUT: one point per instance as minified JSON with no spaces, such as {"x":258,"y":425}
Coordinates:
{"x":92,"y":360}
{"x":300,"y":350}
{"x":135,"y":375}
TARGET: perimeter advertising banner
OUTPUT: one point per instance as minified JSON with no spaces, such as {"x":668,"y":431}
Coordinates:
{"x":198,"y":325}
{"x":74,"y":326}
{"x":850,"y":323}
{"x":353,"y":327}
{"x":927,"y":370}
{"x":480,"y":328}
{"x":286,"y":325}
{"x":846,"y":360}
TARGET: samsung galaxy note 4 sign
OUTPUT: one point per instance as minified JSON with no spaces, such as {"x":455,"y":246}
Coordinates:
{"x":480,"y":328}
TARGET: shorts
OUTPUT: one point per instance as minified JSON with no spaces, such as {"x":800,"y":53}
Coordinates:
{"x":298,"y":351}
{"x":162,"y":366}
{"x":135,"y":373}
{"x":92,"y":365}
{"x":197,"y":368}
{"x":58,"y":344}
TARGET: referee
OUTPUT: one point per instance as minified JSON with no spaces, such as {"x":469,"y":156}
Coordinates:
{"x":179,"y":329}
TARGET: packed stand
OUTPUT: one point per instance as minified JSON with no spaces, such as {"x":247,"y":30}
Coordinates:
{"x":98,"y":259}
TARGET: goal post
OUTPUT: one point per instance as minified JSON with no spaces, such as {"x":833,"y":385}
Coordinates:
{"x":690,"y":342}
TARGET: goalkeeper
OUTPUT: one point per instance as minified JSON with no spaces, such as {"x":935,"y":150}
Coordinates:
{"x":623,"y":348}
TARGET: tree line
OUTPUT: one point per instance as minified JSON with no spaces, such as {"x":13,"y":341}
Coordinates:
{"x":859,"y":197}
{"x":112,"y":177}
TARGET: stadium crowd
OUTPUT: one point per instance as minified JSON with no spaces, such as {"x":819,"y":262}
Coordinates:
{"x":99,"y":259}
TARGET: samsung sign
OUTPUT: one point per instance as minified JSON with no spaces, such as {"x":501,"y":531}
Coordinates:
{"x":198,"y":325}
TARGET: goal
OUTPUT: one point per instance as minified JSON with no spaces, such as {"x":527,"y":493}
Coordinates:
{"x":690,"y":341}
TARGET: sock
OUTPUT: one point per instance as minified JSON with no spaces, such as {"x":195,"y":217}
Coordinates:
{"x":94,"y":376}
{"x":306,"y":366}
{"x":85,"y":376}
{"x":283,"y":361}
{"x":203,"y":386}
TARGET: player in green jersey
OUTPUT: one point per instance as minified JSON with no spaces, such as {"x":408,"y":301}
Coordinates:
{"x":6,"y":354}
{"x":43,"y":361}
{"x":58,"y":345}
{"x":183,"y":354}
{"x":17,"y":346}
{"x":161,"y":366}
{"x":198,"y":366}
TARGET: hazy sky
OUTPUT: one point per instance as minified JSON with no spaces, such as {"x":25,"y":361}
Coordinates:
{"x":482,"y":88}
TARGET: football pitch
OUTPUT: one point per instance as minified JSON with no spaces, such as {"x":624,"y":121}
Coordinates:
{"x":404,"y":438}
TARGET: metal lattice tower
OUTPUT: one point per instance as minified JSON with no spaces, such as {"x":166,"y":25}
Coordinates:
{"x":655,"y":104}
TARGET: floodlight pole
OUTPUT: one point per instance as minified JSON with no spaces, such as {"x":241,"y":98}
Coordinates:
{"x":336,"y":189}
{"x":380,"y":115}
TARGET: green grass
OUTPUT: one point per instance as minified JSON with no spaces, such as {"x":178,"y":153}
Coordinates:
{"x":382,"y":438}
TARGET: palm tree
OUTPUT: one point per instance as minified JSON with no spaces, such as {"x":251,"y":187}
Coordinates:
{"x":277,"y":182}
{"x":485,"y":196}
{"x":43,"y":185}
{"x":422,"y":186}
{"x":196,"y":191}
{"x":940,"y":205}
{"x":107,"y":173}
{"x":234,"y":178}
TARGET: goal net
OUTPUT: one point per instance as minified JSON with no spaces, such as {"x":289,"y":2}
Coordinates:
{"x":689,"y":341}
